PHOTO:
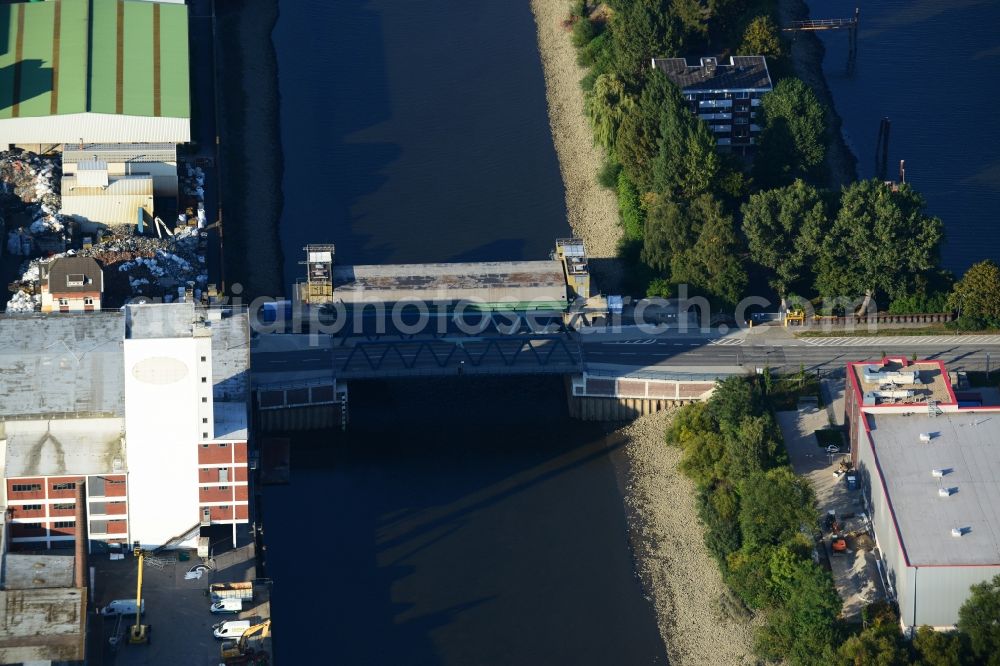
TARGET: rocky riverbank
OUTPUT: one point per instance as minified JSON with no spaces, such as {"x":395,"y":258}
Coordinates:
{"x":251,"y":169}
{"x":592,"y":210}
{"x":699,"y":619}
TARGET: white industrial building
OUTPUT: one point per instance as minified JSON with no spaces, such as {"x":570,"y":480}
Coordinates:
{"x":147,"y":405}
{"x":155,"y":160}
{"x":93,"y":196}
{"x":930,"y":474}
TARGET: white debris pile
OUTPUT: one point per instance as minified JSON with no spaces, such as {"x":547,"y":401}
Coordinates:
{"x":22,"y":301}
{"x":34,"y":181}
{"x":193,"y":181}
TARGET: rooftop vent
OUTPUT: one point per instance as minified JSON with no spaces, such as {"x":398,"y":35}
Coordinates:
{"x":945,"y":492}
{"x":708,"y":66}
{"x":925,"y":437}
{"x":937,"y":473}
{"x":959,"y":531}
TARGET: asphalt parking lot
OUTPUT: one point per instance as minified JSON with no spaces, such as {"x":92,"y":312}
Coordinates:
{"x":177,"y":610}
{"x":855,"y":572}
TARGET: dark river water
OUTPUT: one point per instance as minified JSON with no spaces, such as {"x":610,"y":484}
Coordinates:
{"x":933,"y":68}
{"x":457,"y":522}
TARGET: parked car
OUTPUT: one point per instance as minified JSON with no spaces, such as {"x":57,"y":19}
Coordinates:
{"x":230,"y":629}
{"x":227,"y":606}
{"x":123,"y":607}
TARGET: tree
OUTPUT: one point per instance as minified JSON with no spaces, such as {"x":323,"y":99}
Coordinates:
{"x":880,"y":643}
{"x":641,"y":30}
{"x":632,"y":216}
{"x":938,"y":648}
{"x":793,"y":141}
{"x":713,"y":264}
{"x":784,"y":229}
{"x":804,"y":629}
{"x":761,"y":38}
{"x":774,"y":506}
{"x":881,"y":242}
{"x":637,"y":139}
{"x":606,"y":105}
{"x":666,"y":228}
{"x":977,"y":295}
{"x":718,"y":508}
{"x":979,"y":619}
{"x":687,"y":164}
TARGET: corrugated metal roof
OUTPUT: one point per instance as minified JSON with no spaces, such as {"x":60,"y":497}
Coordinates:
{"x":110,"y":56}
{"x":120,"y":152}
{"x":95,"y":127}
{"x":118,"y":186}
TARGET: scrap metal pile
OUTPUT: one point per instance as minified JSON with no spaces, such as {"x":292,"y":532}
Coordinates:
{"x":134,"y":265}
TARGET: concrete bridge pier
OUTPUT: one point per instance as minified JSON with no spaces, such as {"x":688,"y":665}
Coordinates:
{"x":601,"y":397}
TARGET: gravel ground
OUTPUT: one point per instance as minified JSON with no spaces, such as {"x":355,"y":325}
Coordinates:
{"x":592,"y":210}
{"x":698,"y":623}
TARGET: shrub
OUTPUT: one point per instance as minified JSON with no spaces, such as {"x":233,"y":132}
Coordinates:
{"x":607,"y":176}
{"x":632,"y":215}
{"x":583,"y":31}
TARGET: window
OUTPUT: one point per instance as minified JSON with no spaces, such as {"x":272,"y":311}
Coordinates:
{"x":65,"y":507}
{"x":63,"y":301}
{"x":204,"y":420}
{"x":204,"y":399}
{"x":64,"y":486}
{"x":87,"y":300}
{"x":204,"y":380}
{"x":204,"y":358}
{"x":31,"y":507}
{"x":204,"y":435}
{"x":31,"y":526}
{"x":76,"y":280}
{"x":64,"y":523}
{"x":26,"y":487}
{"x":204,"y":446}
{"x":222,"y":446}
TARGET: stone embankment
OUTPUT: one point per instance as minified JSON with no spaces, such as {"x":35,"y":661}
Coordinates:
{"x":592,"y":209}
{"x":699,"y":619}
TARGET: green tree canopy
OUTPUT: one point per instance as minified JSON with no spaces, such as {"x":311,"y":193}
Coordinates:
{"x":977,"y":295}
{"x":607,"y":104}
{"x":938,"y":648}
{"x":775,"y":506}
{"x":793,"y":140}
{"x":979,"y":619}
{"x":642,"y":30}
{"x":803,"y":630}
{"x":881,"y":242}
{"x":761,"y":38}
{"x":637,"y":142}
{"x":785,"y":228}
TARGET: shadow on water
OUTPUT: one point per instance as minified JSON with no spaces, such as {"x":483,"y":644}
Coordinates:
{"x":448,"y":527}
{"x":413,"y":131}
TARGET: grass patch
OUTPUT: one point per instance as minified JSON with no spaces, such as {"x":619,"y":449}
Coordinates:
{"x":785,"y":392}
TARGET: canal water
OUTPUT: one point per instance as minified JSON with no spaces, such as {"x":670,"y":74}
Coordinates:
{"x":463,"y":521}
{"x":415,"y":132}
{"x":931,"y":67}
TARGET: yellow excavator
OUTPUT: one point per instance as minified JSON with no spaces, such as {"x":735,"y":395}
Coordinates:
{"x":139,"y":633}
{"x":239,"y":652}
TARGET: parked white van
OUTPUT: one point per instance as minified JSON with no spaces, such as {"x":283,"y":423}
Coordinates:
{"x":227,"y":606}
{"x":123,"y":607}
{"x":231,"y":629}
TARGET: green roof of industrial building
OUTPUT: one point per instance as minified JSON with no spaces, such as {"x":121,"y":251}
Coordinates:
{"x":126,"y":57}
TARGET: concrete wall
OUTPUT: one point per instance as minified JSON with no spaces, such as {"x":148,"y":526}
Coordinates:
{"x":168,"y":393}
{"x":616,"y":409}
